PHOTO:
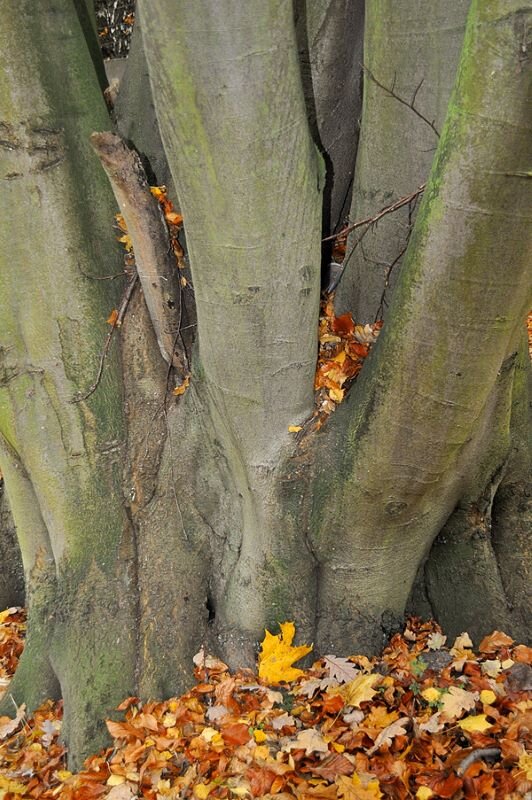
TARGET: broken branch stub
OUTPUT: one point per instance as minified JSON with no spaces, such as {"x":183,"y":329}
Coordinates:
{"x":147,"y":229}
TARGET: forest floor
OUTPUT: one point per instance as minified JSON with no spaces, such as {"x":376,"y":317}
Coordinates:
{"x":422,"y":720}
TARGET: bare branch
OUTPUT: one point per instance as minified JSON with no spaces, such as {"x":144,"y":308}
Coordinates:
{"x":101,"y":277}
{"x":147,"y":229}
{"x":411,"y":209}
{"x":491,"y":753}
{"x":403,"y":201}
{"x":126,"y":297}
{"x":411,"y":105}
{"x":368,"y":222}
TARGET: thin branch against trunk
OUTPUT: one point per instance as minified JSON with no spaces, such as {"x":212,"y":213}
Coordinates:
{"x":155,"y":262}
{"x":124,"y":302}
{"x":411,"y":104}
{"x":389,"y":209}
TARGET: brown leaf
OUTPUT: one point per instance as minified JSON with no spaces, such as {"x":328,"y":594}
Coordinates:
{"x":494,"y":642}
{"x":333,"y":766}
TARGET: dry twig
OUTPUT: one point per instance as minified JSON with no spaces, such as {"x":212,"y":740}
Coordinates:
{"x":126,"y":297}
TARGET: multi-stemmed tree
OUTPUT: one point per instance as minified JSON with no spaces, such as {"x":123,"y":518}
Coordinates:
{"x":151,"y":522}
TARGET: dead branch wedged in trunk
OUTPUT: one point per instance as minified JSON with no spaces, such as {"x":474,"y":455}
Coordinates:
{"x":147,"y":229}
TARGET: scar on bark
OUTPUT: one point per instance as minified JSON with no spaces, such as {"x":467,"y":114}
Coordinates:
{"x":155,"y":262}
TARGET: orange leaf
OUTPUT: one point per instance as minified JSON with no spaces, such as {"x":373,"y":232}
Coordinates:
{"x":112,"y":319}
{"x":173,"y":218}
{"x":182,"y":389}
{"x":236,"y":733}
{"x":495,"y":641}
{"x":343,"y":325}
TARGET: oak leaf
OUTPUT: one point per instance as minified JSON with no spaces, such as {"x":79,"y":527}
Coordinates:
{"x":277,"y":655}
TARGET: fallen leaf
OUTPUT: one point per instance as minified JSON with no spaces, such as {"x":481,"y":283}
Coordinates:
{"x":113,"y":317}
{"x":462,"y":642}
{"x":525,"y":765}
{"x":456,"y":701}
{"x":478,"y":723}
{"x":8,"y":725}
{"x":294,"y":428}
{"x":283,"y":721}
{"x":179,"y":390}
{"x":436,"y":641}
{"x":277,"y":655}
{"x":341,"y":669}
{"x":360,"y":690}
{"x":310,"y":740}
{"x":173,"y":218}
{"x":433,"y":724}
{"x":494,"y":642}
{"x":487,"y":697}
{"x":397,"y":728}
{"x":334,"y":766}
{"x":355,"y":788}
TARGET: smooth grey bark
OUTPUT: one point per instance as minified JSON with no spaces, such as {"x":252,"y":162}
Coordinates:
{"x":62,"y":461}
{"x":412,"y":48}
{"x":135,"y":113}
{"x":11,"y":572}
{"x":465,"y":276}
{"x":512,"y":507}
{"x":330,"y":38}
{"x":250,"y":192}
{"x":481,"y":560}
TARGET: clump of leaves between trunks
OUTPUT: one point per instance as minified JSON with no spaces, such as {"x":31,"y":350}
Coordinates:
{"x":421,"y":721}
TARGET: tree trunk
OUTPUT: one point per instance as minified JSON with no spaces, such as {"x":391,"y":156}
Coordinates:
{"x":11,"y":576}
{"x":330,"y":36}
{"x":412,"y":52}
{"x":62,"y":461}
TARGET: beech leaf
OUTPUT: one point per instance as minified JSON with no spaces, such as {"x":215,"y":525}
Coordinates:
{"x":358,"y":691}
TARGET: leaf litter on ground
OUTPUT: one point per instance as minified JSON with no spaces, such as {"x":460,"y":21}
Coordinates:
{"x":419,"y":721}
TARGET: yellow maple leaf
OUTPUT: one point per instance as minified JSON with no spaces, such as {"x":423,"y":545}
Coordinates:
{"x":358,"y":691}
{"x":477,"y":723}
{"x":277,"y":655}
